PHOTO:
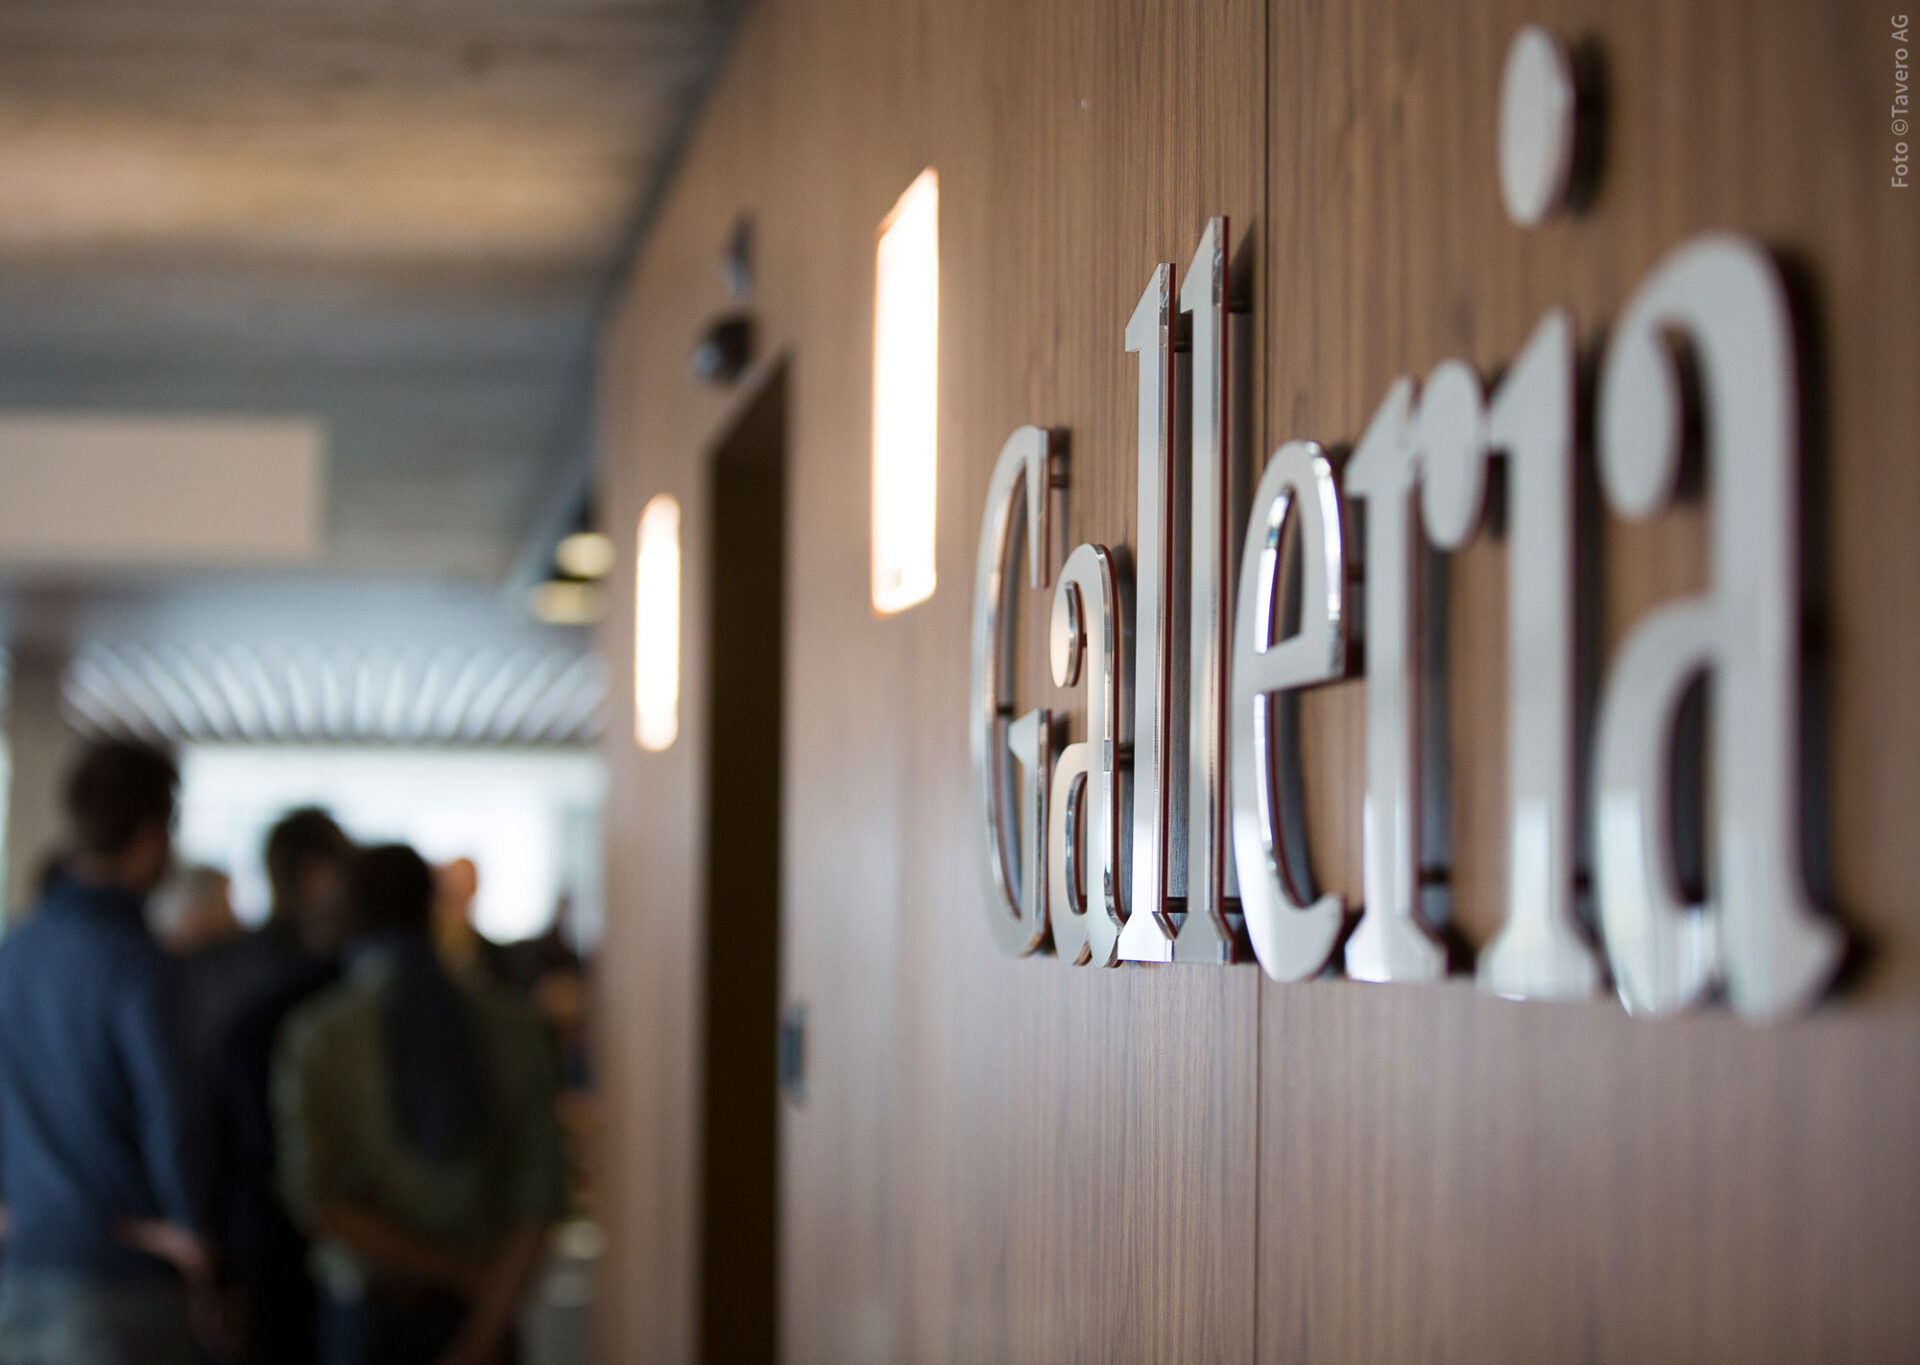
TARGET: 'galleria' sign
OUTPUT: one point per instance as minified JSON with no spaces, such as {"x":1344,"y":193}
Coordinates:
{"x":1164,"y":830}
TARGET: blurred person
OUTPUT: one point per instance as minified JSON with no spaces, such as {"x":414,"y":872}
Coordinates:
{"x":467,"y":953}
{"x":549,"y":971}
{"x":419,"y":1136}
{"x":253,"y":985}
{"x":525,"y":962}
{"x":193,"y":910}
{"x":103,"y":1220}
{"x":550,"y":974}
{"x":304,"y":853}
{"x":47,"y":871}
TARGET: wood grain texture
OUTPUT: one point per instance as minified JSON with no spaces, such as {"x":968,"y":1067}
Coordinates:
{"x":971,"y":1122}
{"x":1007,"y":1160}
{"x":1448,"y":1178}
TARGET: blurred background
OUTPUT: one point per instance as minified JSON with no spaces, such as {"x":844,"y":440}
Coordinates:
{"x":296,"y":315}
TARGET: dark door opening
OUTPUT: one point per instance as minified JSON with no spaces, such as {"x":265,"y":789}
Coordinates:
{"x":739,"y":1196}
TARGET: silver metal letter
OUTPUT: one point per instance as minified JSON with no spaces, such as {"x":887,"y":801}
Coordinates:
{"x":1024,"y":467}
{"x":1292,"y":939}
{"x":1759,"y":930}
{"x":1391,"y":942}
{"x":1538,"y":121}
{"x":1539,"y":953}
{"x":1086,"y":638}
{"x":1206,"y":935}
{"x":1148,"y":935}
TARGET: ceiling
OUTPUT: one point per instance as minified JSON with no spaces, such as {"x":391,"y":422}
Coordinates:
{"x":398,"y":216}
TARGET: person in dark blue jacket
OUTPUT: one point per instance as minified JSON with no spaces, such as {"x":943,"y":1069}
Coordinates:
{"x":102,"y":1204}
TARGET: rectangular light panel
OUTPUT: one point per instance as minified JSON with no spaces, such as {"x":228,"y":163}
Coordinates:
{"x":87,"y":490}
{"x":656,"y":625}
{"x":906,"y":364}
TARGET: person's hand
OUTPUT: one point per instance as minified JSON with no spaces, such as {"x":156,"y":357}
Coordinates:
{"x":169,"y":1242}
{"x":215,"y":1314}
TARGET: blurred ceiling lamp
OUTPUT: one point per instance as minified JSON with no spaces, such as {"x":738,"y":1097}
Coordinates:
{"x":565,"y":602}
{"x":656,"y":625}
{"x":585,"y":554}
{"x":906,"y":356}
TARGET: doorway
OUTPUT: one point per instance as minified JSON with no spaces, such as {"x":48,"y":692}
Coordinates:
{"x":739,"y":1195}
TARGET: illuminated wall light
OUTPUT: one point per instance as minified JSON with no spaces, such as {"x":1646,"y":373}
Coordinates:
{"x":563,"y":602}
{"x":585,"y":554}
{"x":906,"y":365}
{"x":656,"y":625}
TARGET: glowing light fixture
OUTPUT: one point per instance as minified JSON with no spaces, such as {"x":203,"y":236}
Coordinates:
{"x":656,"y":625}
{"x":906,"y":364}
{"x":585,"y":554}
{"x":564,"y":602}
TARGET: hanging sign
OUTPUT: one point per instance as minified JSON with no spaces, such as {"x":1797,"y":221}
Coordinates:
{"x":1164,"y":834}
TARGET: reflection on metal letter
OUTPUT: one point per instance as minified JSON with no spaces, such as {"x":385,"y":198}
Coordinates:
{"x":1023,"y":470}
{"x":1083,"y":822}
{"x":1148,"y":936}
{"x":1205,"y":934}
{"x":1031,"y":742}
{"x":1759,"y":930}
{"x":1291,"y":938}
{"x":1391,"y":943}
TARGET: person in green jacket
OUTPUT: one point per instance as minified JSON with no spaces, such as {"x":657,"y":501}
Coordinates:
{"x":419,"y":1137}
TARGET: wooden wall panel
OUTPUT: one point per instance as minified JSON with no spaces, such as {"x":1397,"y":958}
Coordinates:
{"x":970,"y":1120}
{"x":1016,"y":1161}
{"x":1073,"y":1146}
{"x":802,"y":90}
{"x":654,"y":431}
{"x":1445,"y":1177}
